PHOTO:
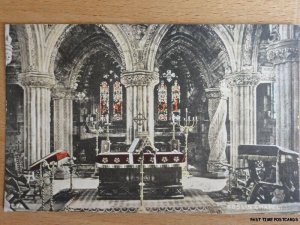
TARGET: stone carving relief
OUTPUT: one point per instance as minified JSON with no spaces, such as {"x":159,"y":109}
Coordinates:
{"x":274,"y":33}
{"x":242,"y":78}
{"x":8,"y":46}
{"x":35,"y":79}
{"x":139,"y":78}
{"x":33,"y":51}
{"x":61,"y":92}
{"x":247,"y":46}
{"x":281,"y":55}
{"x":139,"y":30}
{"x":140,"y":37}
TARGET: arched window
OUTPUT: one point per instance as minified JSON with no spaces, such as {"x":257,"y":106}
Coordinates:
{"x":118,"y":101}
{"x":168,"y":96}
{"x":162,"y":101}
{"x":111,"y":97}
{"x":104,"y":98}
{"x":175,"y":97}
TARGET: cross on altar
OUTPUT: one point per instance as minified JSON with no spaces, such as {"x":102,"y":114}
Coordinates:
{"x":139,"y":120}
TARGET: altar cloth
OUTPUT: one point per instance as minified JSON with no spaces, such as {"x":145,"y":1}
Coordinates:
{"x":122,"y":160}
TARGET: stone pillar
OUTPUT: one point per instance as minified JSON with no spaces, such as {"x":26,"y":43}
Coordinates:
{"x":217,"y":134}
{"x":285,"y":57}
{"x":242,"y":111}
{"x":140,"y":90}
{"x":8,"y":46}
{"x":37,"y":95}
{"x":63,"y":119}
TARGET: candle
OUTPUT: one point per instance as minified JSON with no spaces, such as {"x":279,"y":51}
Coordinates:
{"x":186,"y":114}
{"x":107,"y":119}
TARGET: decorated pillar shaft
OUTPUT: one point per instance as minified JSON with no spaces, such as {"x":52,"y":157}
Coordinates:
{"x":8,"y":46}
{"x":242,"y":111}
{"x":140,"y":90}
{"x":37,"y":95}
{"x":285,"y":57}
{"x":63,"y":120}
{"x":217,"y":134}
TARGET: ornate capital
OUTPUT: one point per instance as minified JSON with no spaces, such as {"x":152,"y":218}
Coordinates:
{"x":139,"y":78}
{"x":36,"y":79}
{"x":283,"y":51}
{"x":213,"y":93}
{"x":62,"y":93}
{"x":242,"y":78}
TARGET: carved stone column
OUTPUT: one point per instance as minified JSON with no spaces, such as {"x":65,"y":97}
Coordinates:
{"x":37,"y":95}
{"x":8,"y":46}
{"x":217,"y":134}
{"x":285,"y":57}
{"x":242,"y":111}
{"x":63,"y":119}
{"x":140,"y":90}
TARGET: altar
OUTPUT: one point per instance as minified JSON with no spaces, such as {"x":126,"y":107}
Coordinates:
{"x":119,"y":175}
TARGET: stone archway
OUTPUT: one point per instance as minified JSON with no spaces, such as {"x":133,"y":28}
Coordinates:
{"x":211,"y":67}
{"x":91,"y":40}
{"x":26,"y":72}
{"x":58,"y":33}
{"x":220,"y":32}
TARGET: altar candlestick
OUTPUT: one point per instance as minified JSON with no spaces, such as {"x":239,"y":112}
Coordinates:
{"x":187,"y":127}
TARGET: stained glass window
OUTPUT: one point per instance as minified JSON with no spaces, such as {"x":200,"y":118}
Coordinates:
{"x":162,"y":102}
{"x":117,"y":101}
{"x":104,"y":98}
{"x":176,"y":97}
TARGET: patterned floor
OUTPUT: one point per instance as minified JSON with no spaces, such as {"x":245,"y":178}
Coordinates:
{"x":195,"y":201}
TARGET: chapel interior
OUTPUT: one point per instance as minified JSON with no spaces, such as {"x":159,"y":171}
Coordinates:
{"x":79,"y":87}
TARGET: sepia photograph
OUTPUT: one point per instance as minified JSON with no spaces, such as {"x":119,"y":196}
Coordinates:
{"x":152,"y":118}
